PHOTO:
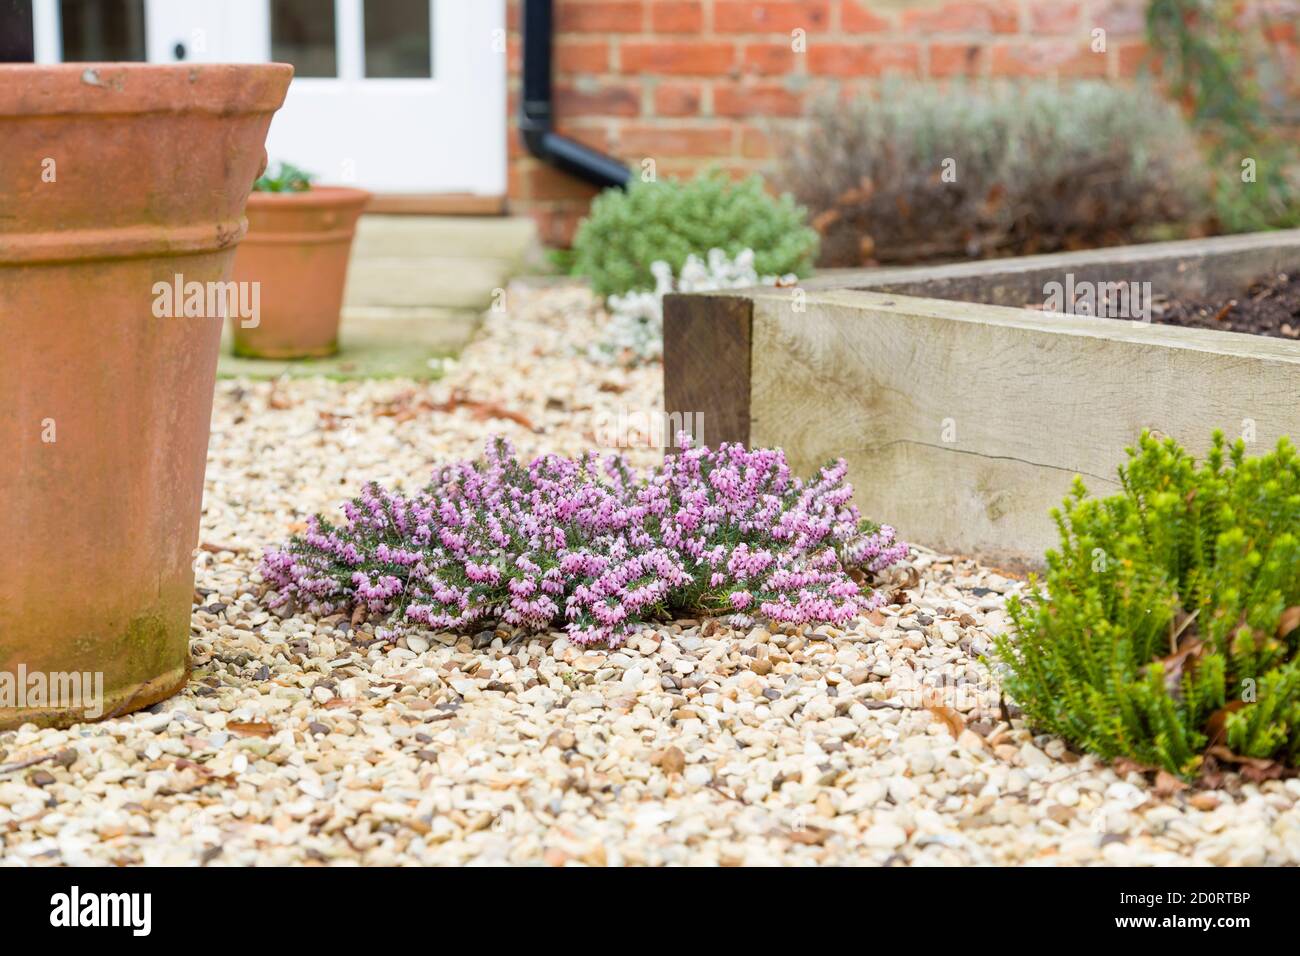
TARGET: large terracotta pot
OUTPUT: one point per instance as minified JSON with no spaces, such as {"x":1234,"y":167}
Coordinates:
{"x":114,"y":179}
{"x":297,"y":250}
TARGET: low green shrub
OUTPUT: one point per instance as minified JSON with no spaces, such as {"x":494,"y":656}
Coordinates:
{"x":922,"y":172}
{"x":671,"y":220}
{"x":1170,"y":621}
{"x":1233,"y":79}
{"x":1270,"y":202}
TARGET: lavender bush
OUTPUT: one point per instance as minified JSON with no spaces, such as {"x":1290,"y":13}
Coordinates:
{"x":590,"y":543}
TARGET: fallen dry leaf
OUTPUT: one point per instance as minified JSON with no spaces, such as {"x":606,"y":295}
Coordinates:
{"x":953,"y":720}
{"x":276,"y":400}
{"x":1167,"y":784}
{"x":213,"y":547}
{"x":1174,"y":665}
{"x":1259,"y":765}
{"x":250,"y":728}
{"x":1223,"y":313}
{"x":1126,"y":765}
{"x":808,"y":836}
{"x":480,"y":410}
{"x":1289,"y":621}
{"x":1216,"y":726}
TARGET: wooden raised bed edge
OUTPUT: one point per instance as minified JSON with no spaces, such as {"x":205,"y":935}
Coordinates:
{"x":1036,"y":396}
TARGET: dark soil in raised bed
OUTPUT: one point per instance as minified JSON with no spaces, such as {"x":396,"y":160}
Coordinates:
{"x":1269,"y":306}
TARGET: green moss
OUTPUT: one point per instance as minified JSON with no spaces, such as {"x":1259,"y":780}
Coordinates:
{"x":377,"y":362}
{"x":144,"y":661}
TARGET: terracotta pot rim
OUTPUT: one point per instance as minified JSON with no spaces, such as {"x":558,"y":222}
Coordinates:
{"x":114,"y":88}
{"x":126,"y":242}
{"x":308,"y":198}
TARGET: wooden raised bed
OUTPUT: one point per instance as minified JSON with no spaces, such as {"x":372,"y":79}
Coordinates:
{"x":964,"y":421}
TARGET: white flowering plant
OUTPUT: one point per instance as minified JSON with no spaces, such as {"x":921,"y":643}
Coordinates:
{"x":636,"y":329}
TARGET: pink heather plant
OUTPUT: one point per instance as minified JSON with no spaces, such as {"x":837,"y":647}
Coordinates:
{"x":589,"y":543}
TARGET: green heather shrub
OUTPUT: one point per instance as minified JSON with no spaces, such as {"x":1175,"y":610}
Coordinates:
{"x":1169,"y":624}
{"x":924,"y":172}
{"x":670,"y":220}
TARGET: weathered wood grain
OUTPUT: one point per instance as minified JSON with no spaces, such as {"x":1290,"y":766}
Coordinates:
{"x":964,"y":424}
{"x":707,"y":363}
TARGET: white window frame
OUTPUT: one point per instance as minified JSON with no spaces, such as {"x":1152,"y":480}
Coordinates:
{"x":475,"y":115}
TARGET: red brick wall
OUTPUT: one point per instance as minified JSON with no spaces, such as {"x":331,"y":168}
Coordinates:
{"x":698,"y":83}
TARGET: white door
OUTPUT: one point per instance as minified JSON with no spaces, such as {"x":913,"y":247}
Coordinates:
{"x":205,"y":31}
{"x":395,"y":96}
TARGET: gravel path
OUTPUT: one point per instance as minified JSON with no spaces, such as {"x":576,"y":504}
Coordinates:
{"x":303,"y":740}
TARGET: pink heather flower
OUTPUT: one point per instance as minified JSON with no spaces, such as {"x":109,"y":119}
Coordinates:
{"x":594,"y":546}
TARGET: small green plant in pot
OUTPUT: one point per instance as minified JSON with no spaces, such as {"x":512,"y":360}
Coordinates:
{"x":671,"y":220}
{"x":284,"y":178}
{"x":1169,"y":625}
{"x":296,"y":256}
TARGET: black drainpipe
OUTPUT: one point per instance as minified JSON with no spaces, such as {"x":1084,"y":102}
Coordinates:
{"x":536,"y":115}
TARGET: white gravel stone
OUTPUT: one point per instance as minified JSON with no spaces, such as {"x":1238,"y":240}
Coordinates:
{"x":300,"y":740}
{"x":1031,"y":756}
{"x":886,"y":836}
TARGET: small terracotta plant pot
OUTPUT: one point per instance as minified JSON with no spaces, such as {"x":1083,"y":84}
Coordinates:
{"x":115,"y":179}
{"x":297,"y":251}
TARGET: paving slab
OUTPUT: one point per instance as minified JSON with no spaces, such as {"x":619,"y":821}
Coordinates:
{"x":373,"y":343}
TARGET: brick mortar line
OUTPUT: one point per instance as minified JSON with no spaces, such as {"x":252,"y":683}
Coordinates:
{"x":858,"y":39}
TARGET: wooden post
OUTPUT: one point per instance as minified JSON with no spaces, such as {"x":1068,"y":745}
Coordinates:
{"x":707,"y":342}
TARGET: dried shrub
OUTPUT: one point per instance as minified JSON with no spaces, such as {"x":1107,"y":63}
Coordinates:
{"x":927,"y":173}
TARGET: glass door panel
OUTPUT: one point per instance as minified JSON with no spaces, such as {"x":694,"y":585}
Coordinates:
{"x":398,"y":41}
{"x":100,"y":31}
{"x":304,"y":33}
{"x":17,"y":40}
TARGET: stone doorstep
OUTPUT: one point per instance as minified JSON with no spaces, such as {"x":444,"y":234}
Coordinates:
{"x":451,"y":261}
{"x":421,"y":283}
{"x":444,"y":329}
{"x":452,"y":237}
